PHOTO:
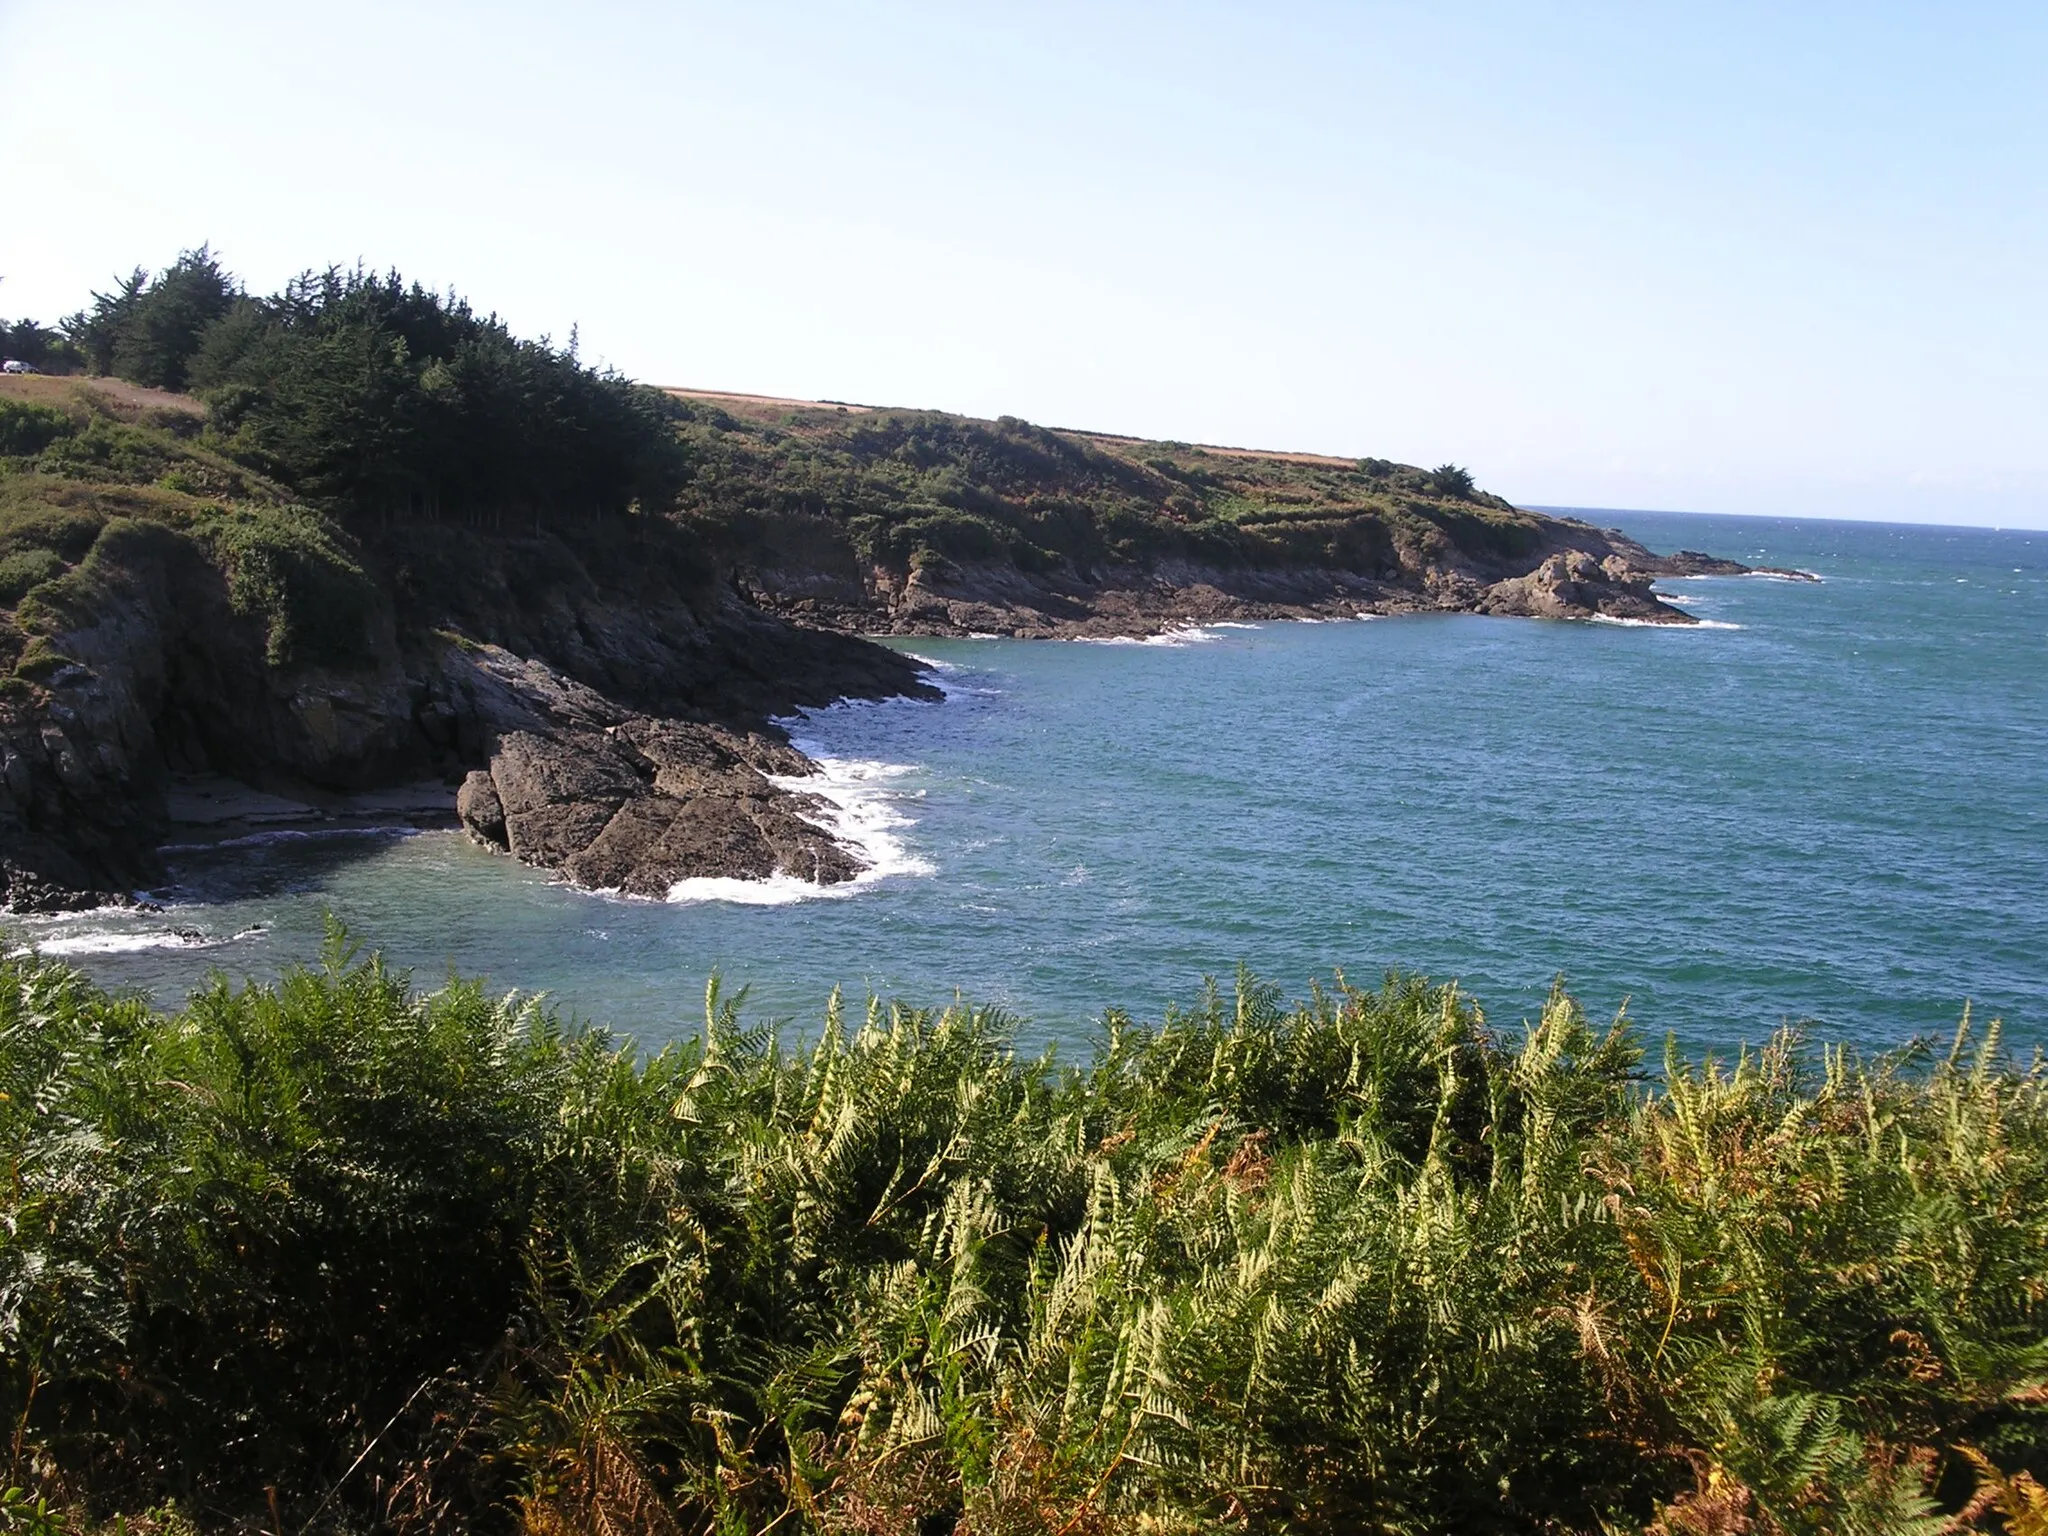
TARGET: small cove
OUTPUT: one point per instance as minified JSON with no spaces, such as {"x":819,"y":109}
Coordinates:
{"x":1831,"y":803}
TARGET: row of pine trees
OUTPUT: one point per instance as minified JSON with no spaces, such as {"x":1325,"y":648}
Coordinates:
{"x":381,"y":400}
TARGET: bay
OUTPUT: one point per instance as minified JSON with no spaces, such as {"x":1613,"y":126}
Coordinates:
{"x":1829,"y":803}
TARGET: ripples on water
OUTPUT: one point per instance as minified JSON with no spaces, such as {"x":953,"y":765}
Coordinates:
{"x":1830,"y":803}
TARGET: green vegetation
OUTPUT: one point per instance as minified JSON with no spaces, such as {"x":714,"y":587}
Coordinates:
{"x":918,"y":488}
{"x":357,"y":451}
{"x":378,"y":399}
{"x":92,"y":487}
{"x":341,"y":1255}
{"x":340,"y":430}
{"x":147,"y":332}
{"x":46,"y":350}
{"x":388,"y":407}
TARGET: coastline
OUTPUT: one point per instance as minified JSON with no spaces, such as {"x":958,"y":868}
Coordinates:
{"x":660,"y":805}
{"x":596,"y":695}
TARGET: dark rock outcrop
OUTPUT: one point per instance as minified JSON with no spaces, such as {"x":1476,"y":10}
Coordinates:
{"x":1690,"y":562}
{"x":628,"y":745}
{"x":627,"y":802}
{"x":1575,"y":585}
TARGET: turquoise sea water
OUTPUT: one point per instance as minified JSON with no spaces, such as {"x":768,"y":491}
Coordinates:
{"x":1832,"y":804}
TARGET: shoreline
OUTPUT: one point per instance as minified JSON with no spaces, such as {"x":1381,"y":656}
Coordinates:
{"x":213,"y":811}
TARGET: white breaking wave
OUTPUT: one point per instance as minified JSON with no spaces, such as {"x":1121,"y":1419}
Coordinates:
{"x":1183,"y":634}
{"x":949,"y":687}
{"x":138,"y":943}
{"x":1803,"y":574}
{"x":1608,"y":618}
{"x":860,"y":810}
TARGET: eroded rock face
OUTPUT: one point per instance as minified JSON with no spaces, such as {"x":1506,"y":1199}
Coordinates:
{"x":1575,"y":585}
{"x":1571,"y":570}
{"x":162,"y":674}
{"x":620,"y":801}
{"x":159,"y":678}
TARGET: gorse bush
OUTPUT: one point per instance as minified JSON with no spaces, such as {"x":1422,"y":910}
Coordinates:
{"x":292,"y":568}
{"x":339,"y":1254}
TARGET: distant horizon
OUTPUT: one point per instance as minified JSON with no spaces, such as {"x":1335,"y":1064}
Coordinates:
{"x":1554,"y":508}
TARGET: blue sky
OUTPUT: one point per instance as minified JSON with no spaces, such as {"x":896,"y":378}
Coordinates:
{"x":1732,"y":258}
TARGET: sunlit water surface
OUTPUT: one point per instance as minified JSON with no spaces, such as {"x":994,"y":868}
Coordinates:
{"x":1830,"y":804}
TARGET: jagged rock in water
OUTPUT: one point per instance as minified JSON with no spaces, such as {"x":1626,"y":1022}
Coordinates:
{"x":620,"y":801}
{"x":1575,"y":585}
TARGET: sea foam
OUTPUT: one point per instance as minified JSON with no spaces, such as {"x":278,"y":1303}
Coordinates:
{"x":1608,"y":618}
{"x":858,"y":807}
{"x":132,"y":943}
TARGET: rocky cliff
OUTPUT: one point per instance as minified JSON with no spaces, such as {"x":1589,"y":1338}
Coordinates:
{"x":904,"y":522}
{"x":625,"y":741}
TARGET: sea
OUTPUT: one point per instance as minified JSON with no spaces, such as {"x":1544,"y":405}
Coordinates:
{"x":1825,"y":806}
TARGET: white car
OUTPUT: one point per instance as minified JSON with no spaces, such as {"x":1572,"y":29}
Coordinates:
{"x":16,"y":365}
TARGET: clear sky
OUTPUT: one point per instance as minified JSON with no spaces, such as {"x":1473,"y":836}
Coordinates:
{"x":1771,"y":258}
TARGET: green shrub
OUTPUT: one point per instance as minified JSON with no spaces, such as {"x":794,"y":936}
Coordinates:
{"x":1452,"y":481}
{"x":31,"y":525}
{"x":292,"y":568}
{"x":110,"y":448}
{"x":30,"y":568}
{"x":46,"y":511}
{"x":32,"y":617}
{"x":40,"y":660}
{"x":27,"y":428}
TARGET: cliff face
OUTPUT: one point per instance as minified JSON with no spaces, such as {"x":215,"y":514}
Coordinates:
{"x":904,"y":522}
{"x":1565,"y":570}
{"x":615,"y":732}
{"x":152,"y":672}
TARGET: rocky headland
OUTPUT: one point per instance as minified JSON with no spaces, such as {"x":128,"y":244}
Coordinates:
{"x":1581,"y":572}
{"x":199,"y":654}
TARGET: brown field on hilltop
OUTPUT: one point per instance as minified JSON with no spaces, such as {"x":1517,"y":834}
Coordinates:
{"x":117,"y":396}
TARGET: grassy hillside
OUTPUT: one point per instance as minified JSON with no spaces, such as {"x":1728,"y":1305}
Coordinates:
{"x":901,"y":490}
{"x":384,"y":409}
{"x":337,"y":1255}
{"x":85,"y":465}
{"x":914,"y":489}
